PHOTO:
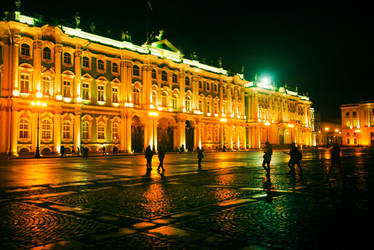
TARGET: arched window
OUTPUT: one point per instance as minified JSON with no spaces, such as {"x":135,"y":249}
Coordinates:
{"x":47,"y":53}
{"x":25,"y":49}
{"x":164,"y":76}
{"x":85,"y":91}
{"x":200,"y":105}
{"x":188,"y":103}
{"x":115,"y":131}
{"x":67,"y":88}
{"x":46,"y":85}
{"x":100,"y":64}
{"x":136,"y":71}
{"x":175,"y":78}
{"x":67,"y":58}
{"x":23,"y":128}
{"x":46,"y":130}
{"x":174,"y":101}
{"x":187,"y":81}
{"x":164,"y":99}
{"x":101,"y":130}
{"x":66,"y":130}
{"x":216,"y":107}
{"x":154,"y":74}
{"x":208,"y":107}
{"x":85,"y":130}
{"x":100,"y":93}
{"x":25,"y":83}
{"x":154,"y":97}
{"x":136,"y":96}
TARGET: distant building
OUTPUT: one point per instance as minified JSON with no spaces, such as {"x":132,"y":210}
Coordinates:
{"x":358,"y":123}
{"x":328,"y":133}
{"x":64,"y":87}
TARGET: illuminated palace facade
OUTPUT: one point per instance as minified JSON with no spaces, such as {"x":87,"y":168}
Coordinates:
{"x":62,"y":86}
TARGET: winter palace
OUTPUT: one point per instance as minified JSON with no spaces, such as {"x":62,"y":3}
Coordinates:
{"x":65,"y":87}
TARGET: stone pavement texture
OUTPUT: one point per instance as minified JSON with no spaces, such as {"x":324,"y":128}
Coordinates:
{"x":114,"y":203}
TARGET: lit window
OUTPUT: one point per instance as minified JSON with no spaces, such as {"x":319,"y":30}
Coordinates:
{"x":115,"y":67}
{"x":154,"y":74}
{"x":101,"y":130}
{"x":136,"y":96}
{"x":135,"y":71}
{"x":115,"y":95}
{"x":100,"y":64}
{"x":164,"y":99}
{"x":208,"y":107}
{"x":100,"y":93}
{"x":46,"y":85}
{"x":24,"y":128}
{"x":66,"y":130}
{"x":115,"y":131}
{"x":174,"y":101}
{"x":200,"y":107}
{"x":188,"y":103}
{"x":47,"y":53}
{"x":25,"y":49}
{"x":67,"y":89}
{"x":164,"y":76}
{"x":154,"y":97}
{"x":86,"y":62}
{"x":216,"y":107}
{"x":85,"y":130}
{"x":46,"y":130}
{"x":85,"y":91}
{"x":67,"y":58}
{"x":25,"y":83}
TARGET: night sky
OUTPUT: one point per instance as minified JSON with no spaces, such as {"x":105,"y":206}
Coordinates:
{"x":325,"y":52}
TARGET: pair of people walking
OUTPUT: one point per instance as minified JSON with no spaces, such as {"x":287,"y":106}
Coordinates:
{"x":295,"y":158}
{"x":149,"y":155}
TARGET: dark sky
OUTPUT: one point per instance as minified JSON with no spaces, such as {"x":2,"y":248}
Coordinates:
{"x":324,"y":51}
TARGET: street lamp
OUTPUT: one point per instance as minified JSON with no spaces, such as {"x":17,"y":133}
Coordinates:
{"x":38,"y":104}
{"x":267,"y":124}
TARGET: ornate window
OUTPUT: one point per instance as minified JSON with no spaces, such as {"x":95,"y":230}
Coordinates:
{"x":46,"y":85}
{"x":200,"y":103}
{"x":136,"y":96}
{"x":208,"y":107}
{"x":174,"y":101}
{"x":188,"y":103}
{"x":207,"y":86}
{"x":164,"y":76}
{"x":85,"y":91}
{"x":100,"y":65}
{"x":154,"y":74}
{"x":25,"y":49}
{"x":187,"y":81}
{"x":46,"y":129}
{"x":114,"y":67}
{"x":114,"y":94}
{"x":101,"y":130}
{"x":66,"y":130}
{"x":47,"y":53}
{"x":86,"y":62}
{"x":115,"y":130}
{"x":25,"y":83}
{"x":85,"y":130}
{"x":67,"y":88}
{"x":215,"y":107}
{"x":24,"y":128}
{"x":175,"y":78}
{"x":136,"y":71}
{"x":164,"y":99}
{"x":67,"y":58}
{"x":154,"y":97}
{"x":100,"y":93}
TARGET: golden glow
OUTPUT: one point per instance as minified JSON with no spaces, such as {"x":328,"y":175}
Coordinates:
{"x":336,"y":130}
{"x":357,"y":131}
{"x":59,"y":97}
{"x":16,"y":92}
{"x":223,"y":120}
{"x":327,"y":129}
{"x":152,"y":113}
{"x":79,"y":99}
{"x":39,"y":95}
{"x":291,"y":125}
{"x":267,"y":123}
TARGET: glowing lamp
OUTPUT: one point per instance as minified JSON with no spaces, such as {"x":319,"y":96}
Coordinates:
{"x":39,"y":95}
{"x":59,"y":97}
{"x":16,"y":92}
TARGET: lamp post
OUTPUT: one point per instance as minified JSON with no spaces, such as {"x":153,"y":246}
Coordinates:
{"x":38,"y":104}
{"x":267,"y":124}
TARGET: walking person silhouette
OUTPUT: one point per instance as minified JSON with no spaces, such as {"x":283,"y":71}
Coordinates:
{"x":335,"y":157}
{"x":295,"y":158}
{"x":161,"y":156}
{"x":148,"y":155}
{"x":268,"y":151}
{"x":200,"y":156}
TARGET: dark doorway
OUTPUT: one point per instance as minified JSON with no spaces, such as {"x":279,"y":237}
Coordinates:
{"x":165,"y":135}
{"x":189,"y":136}
{"x":137,"y":135}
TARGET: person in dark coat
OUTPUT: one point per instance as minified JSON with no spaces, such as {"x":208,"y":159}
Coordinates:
{"x":335,"y":157}
{"x":268,"y":151}
{"x":148,"y":155}
{"x":295,"y":158}
{"x":200,"y":156}
{"x":161,"y":157}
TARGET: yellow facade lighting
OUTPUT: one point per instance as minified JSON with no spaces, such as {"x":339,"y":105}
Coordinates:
{"x":223,"y":120}
{"x":152,"y":113}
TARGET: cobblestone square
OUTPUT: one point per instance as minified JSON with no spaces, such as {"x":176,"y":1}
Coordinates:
{"x":114,"y":203}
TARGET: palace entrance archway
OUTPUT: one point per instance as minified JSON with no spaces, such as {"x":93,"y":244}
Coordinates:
{"x":189,"y":132}
{"x":137,"y":135}
{"x":165,"y":135}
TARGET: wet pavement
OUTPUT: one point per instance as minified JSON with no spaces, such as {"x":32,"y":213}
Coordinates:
{"x":114,"y":203}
